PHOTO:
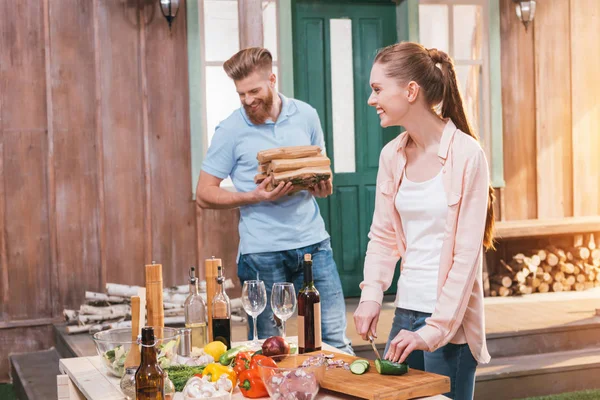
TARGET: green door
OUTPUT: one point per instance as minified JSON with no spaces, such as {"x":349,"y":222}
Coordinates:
{"x":335,"y":43}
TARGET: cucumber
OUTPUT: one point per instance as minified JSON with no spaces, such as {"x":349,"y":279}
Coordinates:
{"x":359,"y":367}
{"x":386,"y":367}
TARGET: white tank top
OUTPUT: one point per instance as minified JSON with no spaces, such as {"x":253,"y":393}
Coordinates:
{"x":423,"y":207}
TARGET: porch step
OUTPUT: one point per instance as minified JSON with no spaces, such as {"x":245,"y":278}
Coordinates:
{"x":34,"y":374}
{"x":538,"y":374}
{"x":547,"y":340}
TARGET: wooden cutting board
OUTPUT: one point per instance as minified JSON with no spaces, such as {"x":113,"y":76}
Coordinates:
{"x":372,"y":385}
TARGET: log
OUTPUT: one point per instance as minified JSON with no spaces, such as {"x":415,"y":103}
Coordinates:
{"x":520,"y":277}
{"x":287,"y":153}
{"x":544,"y":287}
{"x":117,"y":309}
{"x":552,"y":259}
{"x":504,"y":292}
{"x":71,"y":316}
{"x":595,"y":254}
{"x":567,"y":268}
{"x":535,"y":260}
{"x":258,"y":178}
{"x":502,"y":280}
{"x":104,"y":297}
{"x":263,"y":168}
{"x":580,"y":253}
{"x":567,"y":288}
{"x":546,"y":277}
{"x":570,"y":280}
{"x":85,"y":319}
{"x":183,"y":289}
{"x":507,"y":267}
{"x":591,"y":242}
{"x":588,"y":285}
{"x":557,"y":287}
{"x":542,"y":254}
{"x":77,"y":329}
{"x":305,"y":176}
{"x":115,"y":289}
{"x":558,"y":276}
{"x":534,"y":282}
{"x":580,"y":278}
{"x":298,"y":163}
{"x":172,"y":312}
{"x":547,"y":268}
{"x":562,"y":256}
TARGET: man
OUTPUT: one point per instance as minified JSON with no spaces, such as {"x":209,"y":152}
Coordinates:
{"x":276,"y":229}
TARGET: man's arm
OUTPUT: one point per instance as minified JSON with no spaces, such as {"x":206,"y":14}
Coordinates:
{"x":210,"y":195}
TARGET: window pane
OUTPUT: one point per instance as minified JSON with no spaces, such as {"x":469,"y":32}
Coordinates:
{"x":433,"y":26}
{"x":221,"y":98}
{"x":468,"y":32}
{"x":471,"y":88}
{"x":342,"y":95}
{"x":270,"y":27}
{"x":221,"y":33}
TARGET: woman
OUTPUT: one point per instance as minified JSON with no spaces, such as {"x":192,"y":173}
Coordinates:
{"x":433,"y":209}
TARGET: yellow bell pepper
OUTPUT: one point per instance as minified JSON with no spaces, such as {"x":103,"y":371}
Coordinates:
{"x":215,"y":370}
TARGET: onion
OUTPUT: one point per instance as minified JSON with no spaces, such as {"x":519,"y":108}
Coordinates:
{"x":275,"y":346}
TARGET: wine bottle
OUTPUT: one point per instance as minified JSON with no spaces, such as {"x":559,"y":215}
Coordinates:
{"x":195,"y":313}
{"x":221,"y":308}
{"x":149,"y":378}
{"x":309,"y":312}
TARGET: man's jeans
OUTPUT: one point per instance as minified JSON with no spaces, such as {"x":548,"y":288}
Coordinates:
{"x":452,"y":360}
{"x":287,"y":266}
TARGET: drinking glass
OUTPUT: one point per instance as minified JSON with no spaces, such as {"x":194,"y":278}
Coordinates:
{"x":254,"y":301}
{"x":283,"y":301}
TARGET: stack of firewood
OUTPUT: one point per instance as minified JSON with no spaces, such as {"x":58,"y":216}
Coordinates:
{"x":304,"y":166}
{"x":112,"y":309}
{"x":549,"y":269}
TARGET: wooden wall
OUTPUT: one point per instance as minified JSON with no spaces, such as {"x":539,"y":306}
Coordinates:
{"x":94,"y":156}
{"x":551,"y":111}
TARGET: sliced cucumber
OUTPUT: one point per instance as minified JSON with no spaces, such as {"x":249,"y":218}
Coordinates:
{"x":385,"y":367}
{"x":359,"y":367}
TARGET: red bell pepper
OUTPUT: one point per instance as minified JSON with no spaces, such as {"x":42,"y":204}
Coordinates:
{"x":264,"y":361}
{"x":242,"y":362}
{"x":251,"y":384}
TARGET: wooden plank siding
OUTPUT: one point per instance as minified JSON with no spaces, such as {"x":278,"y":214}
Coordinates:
{"x":518,"y":114}
{"x":73,"y":107}
{"x":551,"y":111}
{"x":585,"y":86}
{"x":173,"y":208}
{"x":551,"y":31}
{"x":94,"y":157}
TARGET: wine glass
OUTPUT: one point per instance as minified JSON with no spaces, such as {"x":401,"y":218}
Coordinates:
{"x":254,"y":301}
{"x":283,"y":301}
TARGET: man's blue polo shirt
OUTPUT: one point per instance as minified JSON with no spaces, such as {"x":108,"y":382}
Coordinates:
{"x":290,"y":222}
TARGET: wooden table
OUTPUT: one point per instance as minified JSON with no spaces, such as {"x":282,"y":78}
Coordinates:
{"x":86,"y":378}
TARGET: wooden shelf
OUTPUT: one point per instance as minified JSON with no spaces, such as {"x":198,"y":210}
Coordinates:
{"x":543,"y":227}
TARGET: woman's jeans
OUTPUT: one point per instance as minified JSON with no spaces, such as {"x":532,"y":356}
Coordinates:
{"x":287,"y":266}
{"x":452,"y":360}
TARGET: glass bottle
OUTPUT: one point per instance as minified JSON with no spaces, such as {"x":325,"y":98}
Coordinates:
{"x":309,"y":312}
{"x":196,"y":313}
{"x":221,"y":320}
{"x":169,"y":388}
{"x":149,"y":378}
{"x":128,"y":383}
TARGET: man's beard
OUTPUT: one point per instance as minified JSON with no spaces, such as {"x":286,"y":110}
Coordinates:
{"x":260,"y":114}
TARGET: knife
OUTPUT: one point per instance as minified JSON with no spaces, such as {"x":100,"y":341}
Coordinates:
{"x":372,"y":340}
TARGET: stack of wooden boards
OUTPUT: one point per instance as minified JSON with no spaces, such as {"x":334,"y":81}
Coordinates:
{"x":304,"y":166}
